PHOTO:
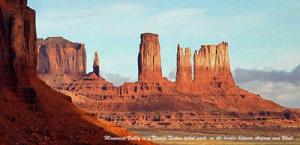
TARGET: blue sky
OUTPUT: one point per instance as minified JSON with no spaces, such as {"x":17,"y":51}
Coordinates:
{"x":262,"y":34}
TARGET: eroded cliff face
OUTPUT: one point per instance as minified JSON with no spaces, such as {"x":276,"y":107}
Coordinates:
{"x":211,"y":65}
{"x":211,"y":69}
{"x":184,"y":67}
{"x":18,"y":43}
{"x":30,"y":111}
{"x":58,"y":55}
{"x":209,"y":100}
{"x":149,"y":62}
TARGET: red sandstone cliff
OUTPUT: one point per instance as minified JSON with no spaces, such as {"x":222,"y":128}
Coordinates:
{"x":150,"y":80}
{"x":211,"y":68}
{"x":149,"y":62}
{"x":17,"y":39}
{"x":58,"y":55}
{"x":211,"y":65}
{"x":210,"y":100}
{"x":30,"y":111}
{"x":184,"y":67}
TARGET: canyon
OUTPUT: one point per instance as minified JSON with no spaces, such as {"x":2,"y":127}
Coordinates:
{"x":204,"y":94}
{"x":30,"y":111}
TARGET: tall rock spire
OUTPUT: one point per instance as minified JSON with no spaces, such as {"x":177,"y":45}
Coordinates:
{"x":96,"y":68}
{"x":211,"y":64}
{"x":149,"y":62}
{"x":184,"y":67}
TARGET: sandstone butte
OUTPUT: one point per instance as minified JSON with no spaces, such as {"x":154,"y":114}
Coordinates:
{"x":149,"y":59}
{"x":58,"y":55}
{"x":30,"y":111}
{"x":206,"y":97}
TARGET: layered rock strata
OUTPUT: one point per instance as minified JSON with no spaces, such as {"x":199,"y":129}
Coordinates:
{"x":209,"y":100}
{"x":30,"y":111}
{"x":211,"y":65}
{"x":184,"y":68}
{"x":58,"y":55}
{"x":149,"y":62}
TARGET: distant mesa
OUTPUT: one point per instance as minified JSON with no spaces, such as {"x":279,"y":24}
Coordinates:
{"x":58,"y":55}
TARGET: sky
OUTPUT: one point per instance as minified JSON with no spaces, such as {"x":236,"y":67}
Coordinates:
{"x":262,"y":34}
{"x":280,"y":86}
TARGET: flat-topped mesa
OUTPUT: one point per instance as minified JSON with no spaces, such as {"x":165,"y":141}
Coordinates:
{"x":96,"y":65}
{"x":149,"y":62}
{"x":184,"y":67}
{"x":17,"y":43}
{"x":211,"y":65}
{"x":58,"y":55}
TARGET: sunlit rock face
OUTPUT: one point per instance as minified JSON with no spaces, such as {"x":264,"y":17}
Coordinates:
{"x":31,"y":112}
{"x":184,"y":69}
{"x":149,"y":61}
{"x":58,"y":55}
{"x":204,"y":94}
{"x":211,"y":69}
{"x":211,"y":65}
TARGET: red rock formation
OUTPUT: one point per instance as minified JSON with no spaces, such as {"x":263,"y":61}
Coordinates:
{"x":14,"y":2}
{"x":184,"y":67}
{"x":5,"y":51}
{"x":18,"y":38}
{"x":58,"y":55}
{"x":33,"y":113}
{"x":149,"y":62}
{"x":211,"y":65}
{"x":96,"y":68}
{"x":211,"y":100}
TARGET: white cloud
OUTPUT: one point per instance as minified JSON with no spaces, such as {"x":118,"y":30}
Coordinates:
{"x":280,"y":86}
{"x":284,"y":93}
{"x":244,"y":75}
